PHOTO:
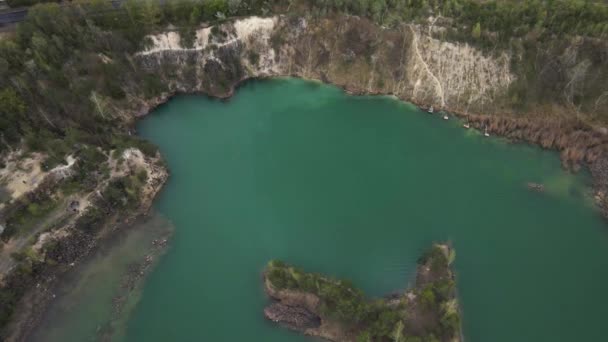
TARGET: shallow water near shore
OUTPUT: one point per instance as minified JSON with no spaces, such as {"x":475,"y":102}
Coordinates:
{"x":359,"y":187}
{"x":95,"y":300}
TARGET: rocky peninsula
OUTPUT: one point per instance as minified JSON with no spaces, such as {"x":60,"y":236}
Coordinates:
{"x":316,"y":305}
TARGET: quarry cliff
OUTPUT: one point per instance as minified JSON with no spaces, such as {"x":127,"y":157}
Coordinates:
{"x":411,"y":62}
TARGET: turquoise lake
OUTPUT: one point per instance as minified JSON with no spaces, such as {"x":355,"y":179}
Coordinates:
{"x":358,"y":188}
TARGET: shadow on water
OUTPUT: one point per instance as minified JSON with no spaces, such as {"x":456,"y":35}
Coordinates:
{"x":96,"y":299}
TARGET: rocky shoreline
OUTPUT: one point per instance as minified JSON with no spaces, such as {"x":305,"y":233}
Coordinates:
{"x":73,"y":249}
{"x":580,"y":145}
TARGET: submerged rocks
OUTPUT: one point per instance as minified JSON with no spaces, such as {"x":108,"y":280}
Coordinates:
{"x":599,"y":172}
{"x":535,"y":187}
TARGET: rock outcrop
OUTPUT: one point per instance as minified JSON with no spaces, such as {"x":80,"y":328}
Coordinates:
{"x":294,"y":317}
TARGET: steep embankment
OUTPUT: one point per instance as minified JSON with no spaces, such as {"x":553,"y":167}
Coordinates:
{"x":407,"y":62}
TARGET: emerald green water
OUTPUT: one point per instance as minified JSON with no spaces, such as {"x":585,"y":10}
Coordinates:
{"x":358,"y":187}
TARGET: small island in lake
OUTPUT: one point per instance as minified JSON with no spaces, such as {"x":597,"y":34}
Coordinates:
{"x":317,"y":305}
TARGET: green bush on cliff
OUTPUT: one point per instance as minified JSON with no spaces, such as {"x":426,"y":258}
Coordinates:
{"x":88,"y":222}
{"x":122,"y":193}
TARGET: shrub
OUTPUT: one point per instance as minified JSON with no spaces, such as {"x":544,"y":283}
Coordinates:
{"x":88,"y":222}
{"x":254,"y":57}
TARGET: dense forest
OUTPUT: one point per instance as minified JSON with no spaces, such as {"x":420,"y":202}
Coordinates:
{"x":51,"y":82}
{"x":505,"y":18}
{"x":500,"y":20}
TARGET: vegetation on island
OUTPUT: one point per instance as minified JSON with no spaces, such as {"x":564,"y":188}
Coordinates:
{"x":427,"y":312}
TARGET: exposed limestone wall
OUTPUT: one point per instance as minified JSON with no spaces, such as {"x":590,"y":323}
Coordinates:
{"x":455,"y":74}
{"x":218,"y":59}
{"x":348,"y":51}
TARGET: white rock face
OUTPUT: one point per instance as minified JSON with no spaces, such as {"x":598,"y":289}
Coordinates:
{"x":245,"y":28}
{"x":163,"y":42}
{"x":64,"y":171}
{"x":246,"y":39}
{"x":455,"y":73}
{"x":444,"y":74}
{"x":254,"y":25}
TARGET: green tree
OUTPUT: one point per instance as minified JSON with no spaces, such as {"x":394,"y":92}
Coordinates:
{"x":196,"y":15}
{"x":427,"y":297}
{"x":364,"y":337}
{"x":397,"y":334}
{"x":215,"y":8}
{"x":476,"y":33}
{"x":151,"y":13}
{"x":234,"y":6}
{"x":377,"y":9}
{"x":10,"y":103}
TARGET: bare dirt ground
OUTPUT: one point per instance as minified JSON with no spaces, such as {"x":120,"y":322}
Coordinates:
{"x":21,"y":175}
